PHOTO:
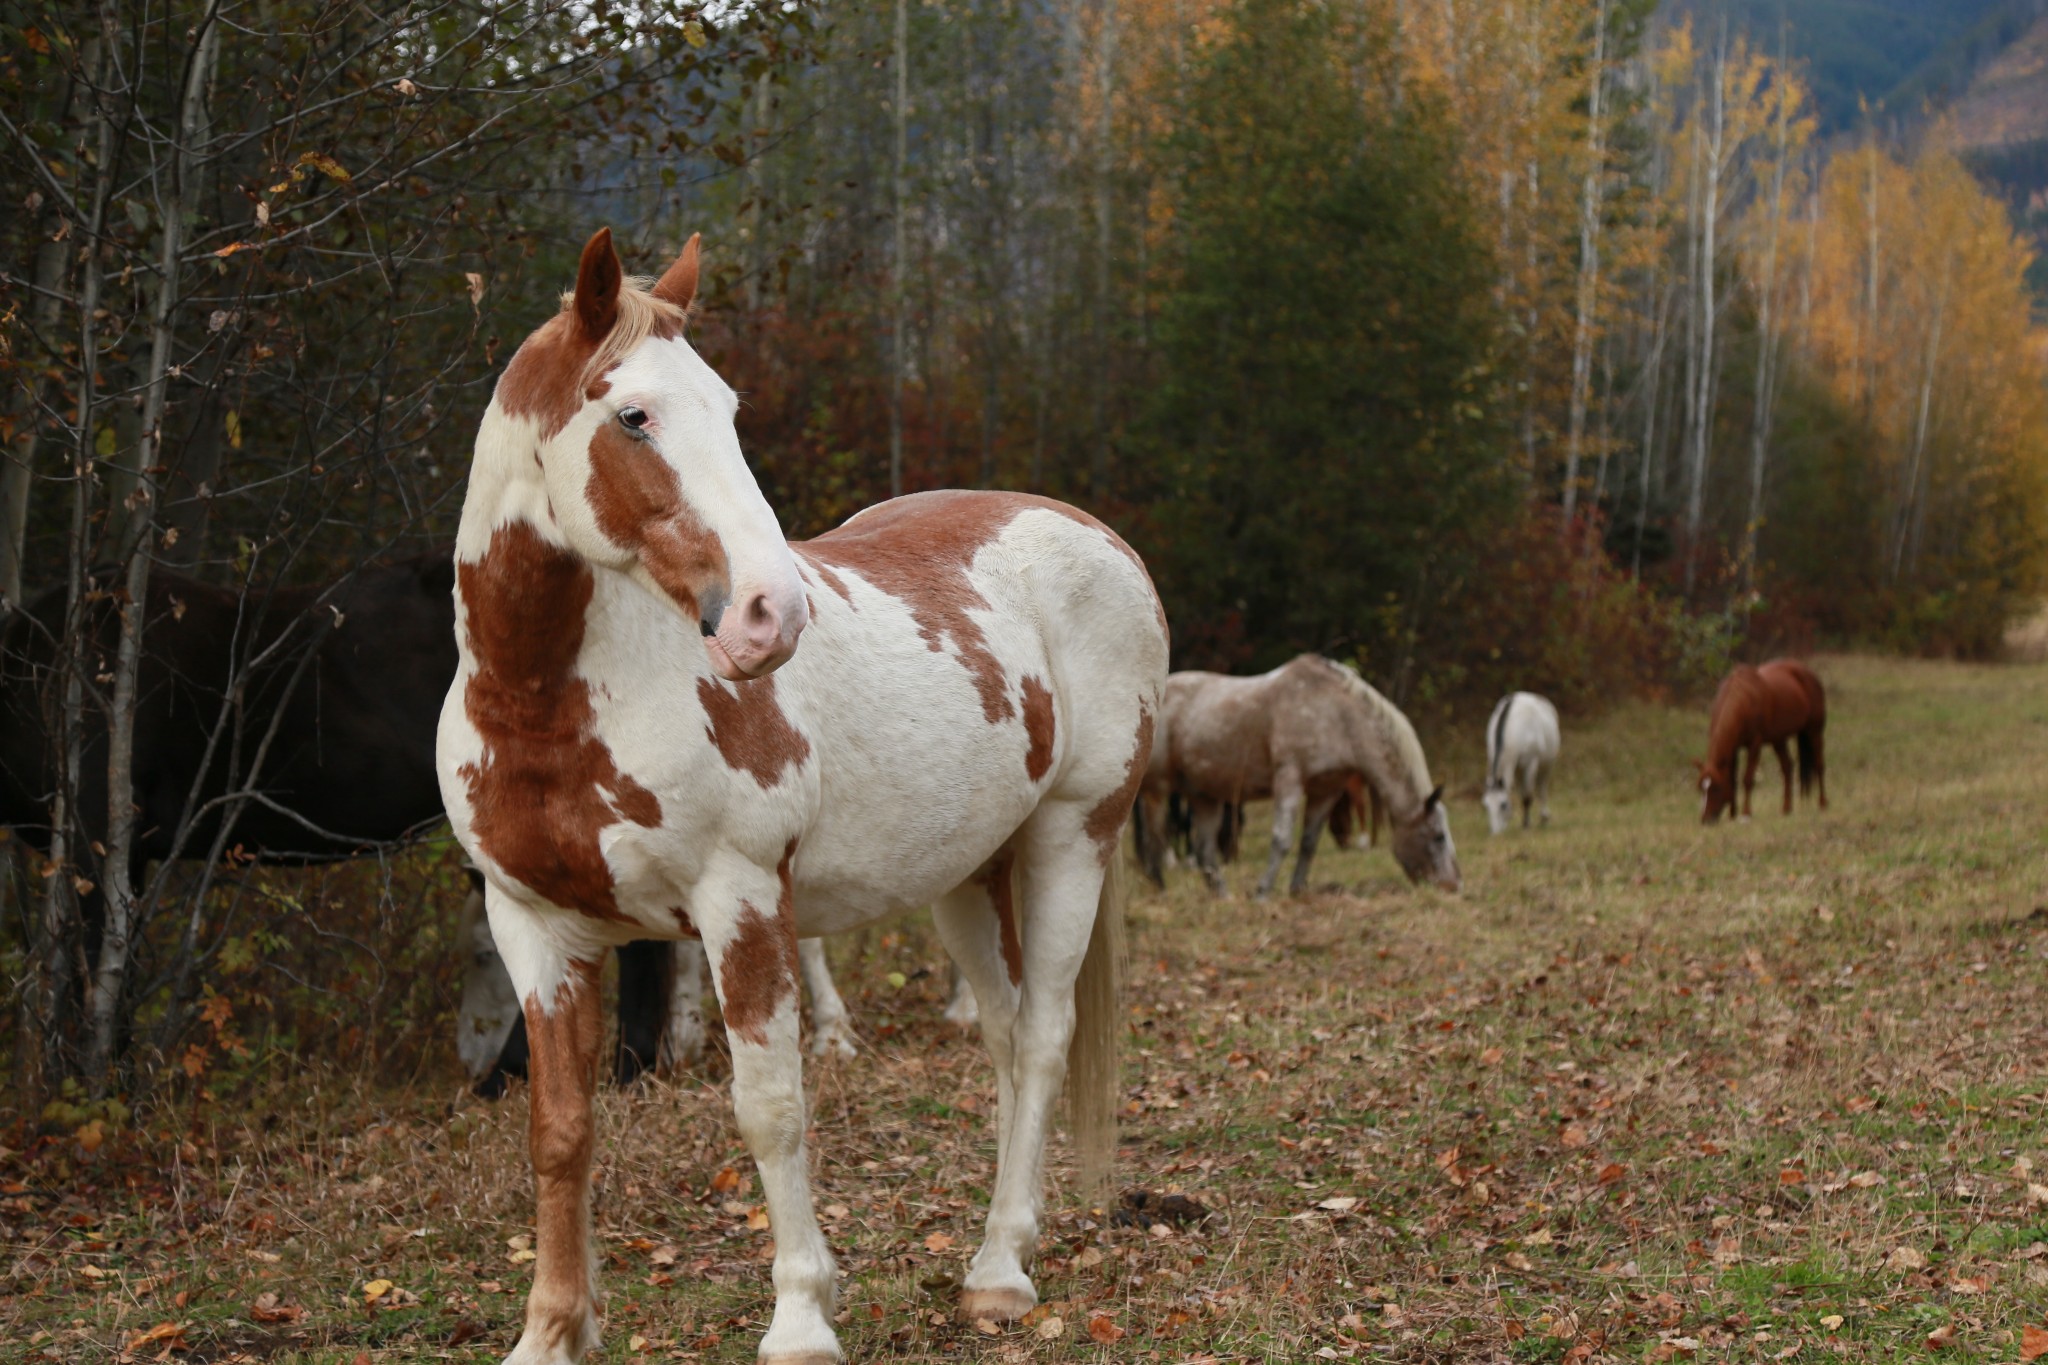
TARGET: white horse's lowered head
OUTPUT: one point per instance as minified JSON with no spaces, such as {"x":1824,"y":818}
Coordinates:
{"x":609,"y":421}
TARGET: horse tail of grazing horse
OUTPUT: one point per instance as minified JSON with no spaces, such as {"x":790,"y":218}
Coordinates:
{"x":1093,"y":1077}
{"x":1809,"y":756}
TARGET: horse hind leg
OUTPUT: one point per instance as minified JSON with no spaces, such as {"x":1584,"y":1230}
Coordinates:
{"x":989,"y":958}
{"x":1311,"y":837}
{"x":831,"y":1024}
{"x":1784,"y":770}
{"x":1062,"y":885}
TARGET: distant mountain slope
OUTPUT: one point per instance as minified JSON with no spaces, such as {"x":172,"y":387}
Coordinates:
{"x":2006,"y":102}
{"x":1854,"y":50}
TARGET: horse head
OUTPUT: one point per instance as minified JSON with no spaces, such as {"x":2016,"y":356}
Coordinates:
{"x":640,"y":463}
{"x":1717,"y":792}
{"x":1422,"y":844}
{"x":1499,"y":805}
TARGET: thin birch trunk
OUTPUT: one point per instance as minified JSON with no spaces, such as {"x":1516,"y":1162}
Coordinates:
{"x":1105,"y":163}
{"x":1703,"y":405}
{"x":1767,"y":353}
{"x":1911,"y":513}
{"x":900,"y":355}
{"x":61,"y":913}
{"x":1655,"y":378}
{"x":1589,"y":273}
{"x":123,"y":909}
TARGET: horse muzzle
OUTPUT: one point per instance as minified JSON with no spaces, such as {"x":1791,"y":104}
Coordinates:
{"x":756,"y":635}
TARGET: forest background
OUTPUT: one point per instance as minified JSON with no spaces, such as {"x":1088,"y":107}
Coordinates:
{"x":1579,"y":345}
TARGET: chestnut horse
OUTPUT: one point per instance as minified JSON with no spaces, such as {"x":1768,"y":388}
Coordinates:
{"x":636,"y":746}
{"x":1769,"y":704}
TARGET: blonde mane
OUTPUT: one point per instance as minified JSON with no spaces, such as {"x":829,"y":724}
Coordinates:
{"x":1390,"y":733}
{"x":641,"y":315}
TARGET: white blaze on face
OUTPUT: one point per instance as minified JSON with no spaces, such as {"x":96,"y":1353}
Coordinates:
{"x":651,"y":474}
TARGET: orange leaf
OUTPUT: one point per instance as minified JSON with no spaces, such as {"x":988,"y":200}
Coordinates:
{"x":726,"y":1181}
{"x":1102,"y":1330}
{"x":232,"y":247}
{"x":2033,"y":1342}
{"x":172,"y":1333}
{"x":1940,"y":1337}
{"x":1612,"y":1172}
{"x":937,"y":1242}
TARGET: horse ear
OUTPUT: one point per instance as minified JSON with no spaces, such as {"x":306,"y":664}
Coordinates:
{"x":1431,"y":801}
{"x":678,"y":284}
{"x":598,"y":278}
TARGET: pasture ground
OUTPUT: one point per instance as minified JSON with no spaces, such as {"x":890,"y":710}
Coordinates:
{"x":1646,"y":1091}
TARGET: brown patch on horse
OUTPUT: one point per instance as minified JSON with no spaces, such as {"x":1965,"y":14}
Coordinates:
{"x":638,"y":502}
{"x":685,"y":926}
{"x":544,"y":380}
{"x":562,"y":364}
{"x":919,"y":550}
{"x":757,"y":970}
{"x":546,"y":785}
{"x":749,"y":729}
{"x":824,"y":573}
{"x":1038,"y":727}
{"x":1106,"y":820}
{"x":562,"y":1075}
{"x":1001,"y":882}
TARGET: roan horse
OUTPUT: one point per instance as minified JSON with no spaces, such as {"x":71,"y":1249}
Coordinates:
{"x":636,"y":746}
{"x":1768,"y":704}
{"x":1301,"y":734}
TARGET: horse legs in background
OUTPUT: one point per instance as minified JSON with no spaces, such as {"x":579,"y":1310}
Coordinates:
{"x":644,"y":970}
{"x":962,"y":1011}
{"x":1149,"y":830}
{"x":1205,"y":823}
{"x":1542,"y":795}
{"x":1756,"y":757}
{"x":1311,"y":835}
{"x":831,"y":1026}
{"x":1784,"y":770}
{"x":1287,"y":797}
{"x":682,"y":1034}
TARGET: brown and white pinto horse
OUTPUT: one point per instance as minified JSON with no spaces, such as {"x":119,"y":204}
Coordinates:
{"x":635,"y":746}
{"x":1303,"y":734}
{"x":1770,"y":704}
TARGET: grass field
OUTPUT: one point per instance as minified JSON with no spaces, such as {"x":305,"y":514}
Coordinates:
{"x":1645,"y":1091}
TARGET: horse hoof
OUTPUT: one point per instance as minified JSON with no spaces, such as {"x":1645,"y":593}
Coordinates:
{"x":997,"y":1305}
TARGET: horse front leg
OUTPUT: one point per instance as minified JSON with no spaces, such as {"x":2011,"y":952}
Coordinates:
{"x":1784,"y":770}
{"x":831,"y":1025}
{"x":749,"y":928}
{"x":564,"y":1013}
{"x":1311,"y":835}
{"x":1756,"y":755}
{"x":1287,"y":798}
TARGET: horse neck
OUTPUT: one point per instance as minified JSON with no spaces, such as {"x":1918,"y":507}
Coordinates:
{"x":1385,"y":747}
{"x":1725,"y":727}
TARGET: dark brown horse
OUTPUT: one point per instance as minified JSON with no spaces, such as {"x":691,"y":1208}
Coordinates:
{"x":1779,"y":701}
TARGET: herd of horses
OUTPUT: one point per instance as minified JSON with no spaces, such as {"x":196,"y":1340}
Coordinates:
{"x":656,"y":725}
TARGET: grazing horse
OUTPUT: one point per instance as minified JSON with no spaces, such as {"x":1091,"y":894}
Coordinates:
{"x":1521,"y":746}
{"x":1768,"y":704}
{"x":1300,"y":734}
{"x":636,"y":745}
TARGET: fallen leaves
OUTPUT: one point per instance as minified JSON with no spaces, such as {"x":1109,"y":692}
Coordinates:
{"x":1102,"y":1330}
{"x":2033,"y":1342}
{"x":1905,"y":1258}
{"x":269,"y":1308}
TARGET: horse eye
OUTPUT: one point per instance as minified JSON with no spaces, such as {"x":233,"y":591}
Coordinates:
{"x":632,"y":419}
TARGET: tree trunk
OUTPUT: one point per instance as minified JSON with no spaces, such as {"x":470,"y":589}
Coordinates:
{"x":123,"y":910}
{"x":1105,"y":149}
{"x":1767,"y":355}
{"x":1703,"y":404}
{"x":899,"y":355}
{"x":1589,"y":272}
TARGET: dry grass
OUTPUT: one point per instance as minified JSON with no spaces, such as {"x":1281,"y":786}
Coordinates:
{"x":1646,"y":1091}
